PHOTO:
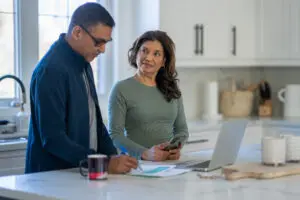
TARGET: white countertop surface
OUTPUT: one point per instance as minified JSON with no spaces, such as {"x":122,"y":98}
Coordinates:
{"x":68,"y":184}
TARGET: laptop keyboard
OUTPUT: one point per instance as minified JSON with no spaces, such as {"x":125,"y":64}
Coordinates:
{"x":193,"y":164}
{"x":201,"y":165}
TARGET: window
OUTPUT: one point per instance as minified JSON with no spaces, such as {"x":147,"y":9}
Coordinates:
{"x":54,"y":18}
{"x":7,"y":48}
{"x":19,"y":57}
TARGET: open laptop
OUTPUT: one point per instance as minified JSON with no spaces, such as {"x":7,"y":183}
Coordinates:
{"x":226,"y":149}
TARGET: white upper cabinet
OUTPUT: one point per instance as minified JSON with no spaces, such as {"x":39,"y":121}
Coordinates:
{"x":242,"y":27}
{"x":199,"y":37}
{"x":181,"y":27}
{"x":214,"y":19}
{"x":272,"y":29}
{"x":295,"y":30}
{"x":229,"y":33}
{"x":278,"y":32}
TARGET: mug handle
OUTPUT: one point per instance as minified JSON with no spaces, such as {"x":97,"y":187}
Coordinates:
{"x":280,"y":95}
{"x":83,"y":172}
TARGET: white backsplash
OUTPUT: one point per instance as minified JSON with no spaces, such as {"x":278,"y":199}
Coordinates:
{"x":192,"y":85}
{"x":278,"y":77}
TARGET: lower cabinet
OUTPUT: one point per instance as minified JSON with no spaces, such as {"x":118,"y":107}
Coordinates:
{"x":12,"y":162}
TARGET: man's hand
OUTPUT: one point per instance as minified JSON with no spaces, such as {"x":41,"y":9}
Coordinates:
{"x":156,"y":153}
{"x":121,"y":164}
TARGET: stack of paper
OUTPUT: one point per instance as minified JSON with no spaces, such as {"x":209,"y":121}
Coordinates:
{"x":152,"y":170}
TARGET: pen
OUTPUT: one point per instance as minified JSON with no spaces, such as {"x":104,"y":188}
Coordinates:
{"x":197,"y":141}
{"x":139,"y":166}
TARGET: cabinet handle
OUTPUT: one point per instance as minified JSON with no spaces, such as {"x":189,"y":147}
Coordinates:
{"x":197,"y":49}
{"x":197,"y":39}
{"x":202,"y":39}
{"x":234,"y":40}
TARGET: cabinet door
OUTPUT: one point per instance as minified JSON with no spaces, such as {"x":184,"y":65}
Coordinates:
{"x":207,"y":41}
{"x":179,"y":21}
{"x":215,"y":17}
{"x":294,"y":29}
{"x":272,"y":26}
{"x":242,"y":28}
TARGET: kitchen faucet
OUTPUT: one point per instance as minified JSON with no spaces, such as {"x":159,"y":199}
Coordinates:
{"x":21,"y":85}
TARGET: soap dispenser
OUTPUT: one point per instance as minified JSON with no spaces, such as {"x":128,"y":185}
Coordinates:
{"x":22,"y":120}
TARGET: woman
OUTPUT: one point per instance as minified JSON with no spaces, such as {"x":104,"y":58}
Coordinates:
{"x":146,"y":110}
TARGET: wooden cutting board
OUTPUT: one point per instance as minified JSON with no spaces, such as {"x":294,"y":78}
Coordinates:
{"x":259,"y":171}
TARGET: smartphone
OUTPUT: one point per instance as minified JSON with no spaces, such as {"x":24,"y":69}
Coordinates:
{"x":175,"y":143}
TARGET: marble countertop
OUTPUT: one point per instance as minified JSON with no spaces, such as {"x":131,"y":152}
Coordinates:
{"x":68,"y":184}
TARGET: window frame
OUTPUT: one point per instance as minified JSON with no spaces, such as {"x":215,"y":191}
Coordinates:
{"x":26,"y":26}
{"x":6,"y":102}
{"x":104,"y":74}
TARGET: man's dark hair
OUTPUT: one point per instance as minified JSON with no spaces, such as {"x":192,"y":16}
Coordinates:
{"x":90,"y":14}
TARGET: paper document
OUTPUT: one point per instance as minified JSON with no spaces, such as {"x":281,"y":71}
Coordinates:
{"x":151,"y":170}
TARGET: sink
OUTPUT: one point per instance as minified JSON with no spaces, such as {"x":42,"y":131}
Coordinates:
{"x":9,"y":128}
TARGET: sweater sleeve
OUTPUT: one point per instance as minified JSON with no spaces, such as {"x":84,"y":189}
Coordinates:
{"x":180,"y":125}
{"x":50,"y":102}
{"x":117,"y":108}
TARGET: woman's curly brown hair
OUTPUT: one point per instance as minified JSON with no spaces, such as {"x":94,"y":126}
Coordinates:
{"x":166,"y":80}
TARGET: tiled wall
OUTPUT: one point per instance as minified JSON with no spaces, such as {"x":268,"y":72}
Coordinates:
{"x":192,"y":83}
{"x":278,"y":77}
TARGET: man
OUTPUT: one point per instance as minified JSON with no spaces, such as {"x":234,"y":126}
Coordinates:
{"x":66,"y":123}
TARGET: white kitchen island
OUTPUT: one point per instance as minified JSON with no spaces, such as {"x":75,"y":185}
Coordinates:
{"x":68,"y":184}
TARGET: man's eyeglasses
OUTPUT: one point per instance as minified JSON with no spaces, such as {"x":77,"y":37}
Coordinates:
{"x":97,"y":41}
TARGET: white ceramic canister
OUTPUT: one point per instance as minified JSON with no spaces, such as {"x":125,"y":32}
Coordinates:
{"x":292,"y":148}
{"x":273,"y":150}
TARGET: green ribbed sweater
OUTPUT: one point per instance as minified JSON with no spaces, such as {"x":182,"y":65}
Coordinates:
{"x":139,"y":117}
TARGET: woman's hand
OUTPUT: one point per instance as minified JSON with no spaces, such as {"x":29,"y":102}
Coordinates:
{"x":174,"y":154}
{"x":156,"y":153}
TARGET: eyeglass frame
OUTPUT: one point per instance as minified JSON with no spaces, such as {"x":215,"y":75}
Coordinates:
{"x":97,"y":41}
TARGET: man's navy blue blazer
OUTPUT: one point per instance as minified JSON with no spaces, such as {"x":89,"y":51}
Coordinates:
{"x":59,"y":126}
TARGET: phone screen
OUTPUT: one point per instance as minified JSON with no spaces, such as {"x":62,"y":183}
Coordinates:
{"x":174,"y":144}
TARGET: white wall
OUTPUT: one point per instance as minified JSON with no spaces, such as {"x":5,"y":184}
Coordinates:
{"x":192,"y":85}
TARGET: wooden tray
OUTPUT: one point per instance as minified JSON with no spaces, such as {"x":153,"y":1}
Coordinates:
{"x":259,"y":171}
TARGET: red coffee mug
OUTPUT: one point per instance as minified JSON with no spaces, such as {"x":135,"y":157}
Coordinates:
{"x":97,"y":167}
